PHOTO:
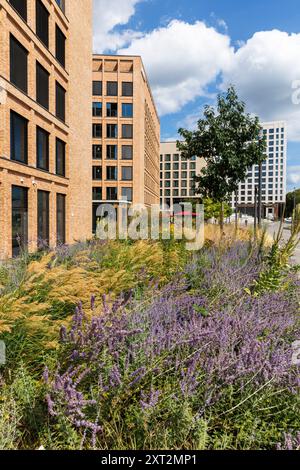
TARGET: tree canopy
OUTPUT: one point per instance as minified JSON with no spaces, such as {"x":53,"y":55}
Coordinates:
{"x":230,"y":141}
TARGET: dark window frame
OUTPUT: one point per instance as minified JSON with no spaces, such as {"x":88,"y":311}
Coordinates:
{"x":14,"y":118}
{"x":60,"y":107}
{"x":42,"y":22}
{"x":60,"y":143}
{"x":20,"y":7}
{"x":42,"y":95}
{"x":43,"y":218}
{"x":39,"y":158}
{"x":18,"y":62}
{"x":60,"y":46}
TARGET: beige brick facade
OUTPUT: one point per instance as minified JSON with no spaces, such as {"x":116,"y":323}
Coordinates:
{"x":76,"y":25}
{"x":145,"y":130}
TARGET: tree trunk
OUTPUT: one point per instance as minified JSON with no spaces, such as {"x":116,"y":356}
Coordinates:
{"x":222,"y":217}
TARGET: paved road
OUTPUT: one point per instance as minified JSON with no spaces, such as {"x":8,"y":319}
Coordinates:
{"x":273,"y":229}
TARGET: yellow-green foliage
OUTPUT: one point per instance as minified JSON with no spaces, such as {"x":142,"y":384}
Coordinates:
{"x":51,"y":287}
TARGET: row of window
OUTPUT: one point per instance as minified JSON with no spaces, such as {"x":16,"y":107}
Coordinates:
{"x":112,"y":110}
{"x":112,"y":152}
{"x":177,"y":193}
{"x":112,"y":194}
{"x":175,"y":184}
{"x":19,"y":145}
{"x":175,"y":157}
{"x":20,"y":218}
{"x":184,"y":166}
{"x":42,"y":26}
{"x":112,"y":173}
{"x":112,"y":131}
{"x":112,"y":88}
{"x":19,"y":77}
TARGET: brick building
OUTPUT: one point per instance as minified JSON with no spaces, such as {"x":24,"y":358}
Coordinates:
{"x":45,"y":134}
{"x":126,"y":134}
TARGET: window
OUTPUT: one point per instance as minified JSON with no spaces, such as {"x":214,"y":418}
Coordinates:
{"x":60,"y":46}
{"x":127,"y":152}
{"x":42,"y":149}
{"x":175,"y":166}
{"x":97,"y":88}
{"x":21,"y":7}
{"x":111,"y":110}
{"x":60,"y":102}
{"x":112,"y":88}
{"x":111,"y":194}
{"x":61,"y":4}
{"x":127,"y":89}
{"x":97,"y":152}
{"x":111,"y":131}
{"x":111,"y":173}
{"x":61,"y":219}
{"x":127,"y":131}
{"x":97,"y":131}
{"x":97,"y":173}
{"x":42,"y":22}
{"x":127,"y":110}
{"x":19,"y":215}
{"x":18,"y":64}
{"x":60,"y":158}
{"x":127,"y":194}
{"x":111,"y":152}
{"x":184,"y":183}
{"x":43,"y":219}
{"x":42,"y":86}
{"x":18,"y":138}
{"x":127,"y":173}
{"x":97,"y":194}
{"x":97,"y":109}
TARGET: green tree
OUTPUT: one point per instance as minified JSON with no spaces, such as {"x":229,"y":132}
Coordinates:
{"x":292,"y":200}
{"x":213,"y":209}
{"x":230,"y":141}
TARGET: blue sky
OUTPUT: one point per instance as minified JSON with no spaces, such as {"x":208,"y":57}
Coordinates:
{"x":192,"y":49}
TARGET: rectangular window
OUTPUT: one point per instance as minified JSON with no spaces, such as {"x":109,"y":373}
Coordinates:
{"x":42,"y":86}
{"x":97,"y":194}
{"x":42,"y":149}
{"x":61,"y":4}
{"x":60,"y":46}
{"x":43,"y":219}
{"x":112,"y":88}
{"x":97,"y":152}
{"x":127,"y":110}
{"x":97,"y":109}
{"x":60,"y":219}
{"x":112,"y":152}
{"x":111,"y":194}
{"x":112,"y":110}
{"x":111,"y":173}
{"x":21,"y":7}
{"x":60,"y":102}
{"x":97,"y":131}
{"x":97,"y":173}
{"x":127,"y":152}
{"x":42,"y":22}
{"x":97,"y":88}
{"x":127,"y":131}
{"x":127,"y":173}
{"x":60,"y":158}
{"x":112,"y":131}
{"x":19,"y":219}
{"x":18,"y":64}
{"x":18,"y":138}
{"x":127,"y":194}
{"x":127,"y":89}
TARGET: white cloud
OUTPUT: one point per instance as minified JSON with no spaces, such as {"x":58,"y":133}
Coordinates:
{"x":181,"y":59}
{"x":107,"y":15}
{"x":263,"y":70}
{"x":293,"y":177}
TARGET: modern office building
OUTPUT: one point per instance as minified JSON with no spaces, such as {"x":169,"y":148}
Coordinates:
{"x":273,"y":175}
{"x":177,"y":175}
{"x":124,"y":158}
{"x":45,"y":134}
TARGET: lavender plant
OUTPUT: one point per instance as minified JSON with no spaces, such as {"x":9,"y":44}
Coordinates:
{"x":168,"y":372}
